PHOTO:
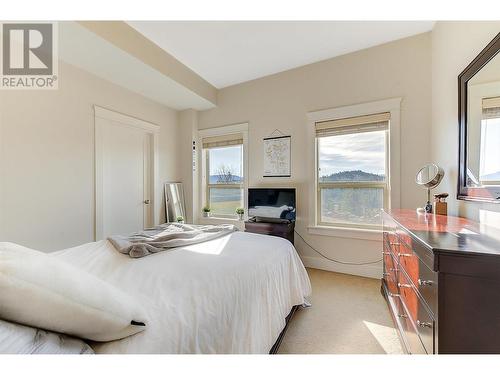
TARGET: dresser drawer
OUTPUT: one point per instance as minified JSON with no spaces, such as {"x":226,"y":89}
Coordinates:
{"x":407,"y":329}
{"x":391,"y":242}
{"x":418,"y":314}
{"x":422,"y":277}
{"x":390,"y":273}
{"x":404,"y":238}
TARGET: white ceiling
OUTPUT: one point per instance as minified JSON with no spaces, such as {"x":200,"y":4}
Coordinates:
{"x":82,"y":48}
{"x":229,"y":52}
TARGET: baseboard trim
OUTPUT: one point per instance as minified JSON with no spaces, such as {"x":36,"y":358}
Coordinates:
{"x":373,"y":271}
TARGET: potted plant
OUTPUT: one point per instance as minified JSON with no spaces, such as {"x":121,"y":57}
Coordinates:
{"x":180,"y":219}
{"x":240,"y":211}
{"x":206,"y":211}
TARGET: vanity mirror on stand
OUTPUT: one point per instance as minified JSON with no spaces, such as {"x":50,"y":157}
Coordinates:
{"x":429,"y":177}
{"x":479,"y":121}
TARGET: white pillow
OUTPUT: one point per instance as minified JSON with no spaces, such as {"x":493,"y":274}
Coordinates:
{"x":45,"y":292}
{"x":19,"y":339}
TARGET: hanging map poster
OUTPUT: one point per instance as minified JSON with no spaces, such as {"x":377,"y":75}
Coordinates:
{"x":277,"y":155}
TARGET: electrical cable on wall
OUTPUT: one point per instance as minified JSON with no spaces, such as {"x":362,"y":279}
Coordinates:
{"x":333,"y":260}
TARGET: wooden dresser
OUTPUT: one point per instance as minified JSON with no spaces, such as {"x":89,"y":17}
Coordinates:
{"x":441,"y":281}
{"x":284,"y":230}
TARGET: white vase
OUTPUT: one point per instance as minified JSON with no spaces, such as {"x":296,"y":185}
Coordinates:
{"x":240,"y":216}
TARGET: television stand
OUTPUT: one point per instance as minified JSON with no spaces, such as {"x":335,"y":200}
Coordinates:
{"x":272,"y":228}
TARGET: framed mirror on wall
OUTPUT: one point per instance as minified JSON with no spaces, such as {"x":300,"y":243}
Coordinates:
{"x":479,"y":127}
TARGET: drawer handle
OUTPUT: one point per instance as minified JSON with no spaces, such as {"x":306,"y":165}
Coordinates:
{"x":393,"y":269}
{"x":404,"y":255}
{"x":394,"y":243}
{"x":386,"y":253}
{"x":425,"y":282}
{"x":424,"y":324}
{"x":403,"y":316}
{"x":404,"y":285}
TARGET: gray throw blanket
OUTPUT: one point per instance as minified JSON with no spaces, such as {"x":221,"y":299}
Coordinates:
{"x":167,"y":236}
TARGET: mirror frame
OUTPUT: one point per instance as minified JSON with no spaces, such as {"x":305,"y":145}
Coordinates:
{"x":168,"y":205}
{"x":479,"y":194}
{"x":433,"y":182}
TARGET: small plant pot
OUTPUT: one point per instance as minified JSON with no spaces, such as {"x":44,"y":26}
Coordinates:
{"x":206,"y":214}
{"x":180,"y":221}
{"x":240,"y":216}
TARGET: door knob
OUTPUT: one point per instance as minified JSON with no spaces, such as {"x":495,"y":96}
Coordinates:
{"x":146,"y":201}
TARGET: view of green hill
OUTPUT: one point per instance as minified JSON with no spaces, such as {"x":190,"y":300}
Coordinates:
{"x":356,"y":175}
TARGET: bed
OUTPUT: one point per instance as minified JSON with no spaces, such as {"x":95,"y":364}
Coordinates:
{"x":228,"y":295}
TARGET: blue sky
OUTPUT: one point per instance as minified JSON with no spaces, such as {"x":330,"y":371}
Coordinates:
{"x":363,"y":151}
{"x":229,"y":156}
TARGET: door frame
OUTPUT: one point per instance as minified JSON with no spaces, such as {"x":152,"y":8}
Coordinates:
{"x":153,"y":130}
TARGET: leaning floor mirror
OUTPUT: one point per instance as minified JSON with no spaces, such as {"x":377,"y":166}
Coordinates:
{"x":175,"y":208}
{"x":479,"y":119}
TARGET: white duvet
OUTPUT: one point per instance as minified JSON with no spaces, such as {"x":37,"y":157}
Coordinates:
{"x":228,"y":295}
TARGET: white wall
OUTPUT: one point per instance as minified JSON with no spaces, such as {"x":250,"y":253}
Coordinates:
{"x":47,"y":157}
{"x":281,"y":101}
{"x":46,"y":138}
{"x":188,"y":132}
{"x":454,"y":46}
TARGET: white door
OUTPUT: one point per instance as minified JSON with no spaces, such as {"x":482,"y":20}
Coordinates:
{"x":124,"y":175}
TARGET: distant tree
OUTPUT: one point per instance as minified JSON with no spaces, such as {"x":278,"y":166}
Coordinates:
{"x":356,"y":175}
{"x":225,"y":174}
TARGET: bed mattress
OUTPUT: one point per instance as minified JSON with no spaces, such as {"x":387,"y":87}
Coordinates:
{"x":228,"y":295}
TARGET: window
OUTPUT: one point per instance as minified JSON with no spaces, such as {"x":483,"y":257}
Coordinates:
{"x":489,"y":170}
{"x":352,"y":170}
{"x":223,"y":174}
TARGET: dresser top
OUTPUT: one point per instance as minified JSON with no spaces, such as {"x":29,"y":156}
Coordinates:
{"x":446,"y":234}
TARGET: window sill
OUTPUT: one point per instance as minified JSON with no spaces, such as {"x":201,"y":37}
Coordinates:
{"x":346,"y":232}
{"x":221,"y":220}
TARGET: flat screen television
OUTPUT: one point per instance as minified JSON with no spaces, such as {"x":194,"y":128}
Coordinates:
{"x":266,"y":203}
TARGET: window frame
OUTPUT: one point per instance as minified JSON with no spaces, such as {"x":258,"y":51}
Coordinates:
{"x":352,"y":184}
{"x":347,"y":230}
{"x":242,"y":129}
{"x":208,"y":185}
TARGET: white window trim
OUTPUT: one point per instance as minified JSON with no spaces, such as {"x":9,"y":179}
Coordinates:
{"x":393,"y":106}
{"x":212,"y":132}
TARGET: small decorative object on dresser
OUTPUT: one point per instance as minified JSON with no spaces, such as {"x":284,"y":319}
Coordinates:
{"x":441,"y":280}
{"x":440,"y":205}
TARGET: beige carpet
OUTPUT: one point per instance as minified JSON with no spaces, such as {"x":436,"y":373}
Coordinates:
{"x":348,"y":316}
